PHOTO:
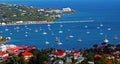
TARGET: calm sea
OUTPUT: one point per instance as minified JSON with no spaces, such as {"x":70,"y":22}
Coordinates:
{"x":106,"y":16}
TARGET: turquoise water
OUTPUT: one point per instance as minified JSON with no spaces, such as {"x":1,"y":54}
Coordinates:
{"x":102,"y":12}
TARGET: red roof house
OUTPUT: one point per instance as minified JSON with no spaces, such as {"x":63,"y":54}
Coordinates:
{"x":27,"y":54}
{"x":4,"y":55}
{"x":60,"y":53}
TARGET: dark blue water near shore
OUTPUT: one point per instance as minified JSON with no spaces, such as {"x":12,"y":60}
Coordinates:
{"x":102,"y":12}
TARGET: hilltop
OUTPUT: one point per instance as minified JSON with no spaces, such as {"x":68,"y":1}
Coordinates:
{"x":11,"y":14}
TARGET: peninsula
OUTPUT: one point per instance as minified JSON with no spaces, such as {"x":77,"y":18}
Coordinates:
{"x":21,"y":14}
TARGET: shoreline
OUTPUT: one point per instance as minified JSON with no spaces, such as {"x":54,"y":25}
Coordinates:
{"x":81,"y":21}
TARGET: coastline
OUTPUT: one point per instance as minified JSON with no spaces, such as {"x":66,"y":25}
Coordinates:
{"x":54,"y":22}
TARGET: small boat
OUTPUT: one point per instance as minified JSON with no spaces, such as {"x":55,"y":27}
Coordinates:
{"x":108,"y":28}
{"x":106,"y":40}
{"x":6,"y":29}
{"x":44,"y":33}
{"x":115,"y":37}
{"x":61,"y":25}
{"x":71,"y":36}
{"x":9,"y":38}
{"x":79,"y":40}
{"x":26,"y":35}
{"x":49,"y":28}
{"x":59,"y":43}
{"x":86,"y":26}
{"x":36,"y":30}
{"x":101,"y":33}
{"x":101,"y":25}
{"x":98,"y":27}
{"x":60,"y":31}
{"x":67,"y":38}
{"x":46,"y":42}
{"x":11,"y":33}
{"x":48,"y":25}
{"x":87,"y":32}
{"x":57,"y":39}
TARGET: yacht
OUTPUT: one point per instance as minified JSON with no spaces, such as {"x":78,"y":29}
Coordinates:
{"x":57,"y":39}
{"x":48,"y":25}
{"x":46,"y":42}
{"x":59,"y":43}
{"x":101,"y":25}
{"x":71,"y":36}
{"x":109,"y":29}
{"x":101,"y":33}
{"x":44,"y":33}
{"x":86,"y":26}
{"x":6,"y":29}
{"x":87,"y":32}
{"x":115,"y":37}
{"x":60,"y":31}
{"x":36,"y":30}
{"x":67,"y":38}
{"x":79,"y":40}
{"x":26,"y":35}
{"x":106,"y":40}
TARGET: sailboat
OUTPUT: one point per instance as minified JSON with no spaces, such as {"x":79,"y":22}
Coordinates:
{"x":67,"y":38}
{"x":59,"y":43}
{"x":106,"y":40}
{"x":79,"y":40}
{"x":71,"y":36}
{"x":60,"y":31}
{"x":57,"y":39}
{"x":115,"y":37}
{"x":46,"y":42}
{"x":36,"y":30}
{"x":101,"y":25}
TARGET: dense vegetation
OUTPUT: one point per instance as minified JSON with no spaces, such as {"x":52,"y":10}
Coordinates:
{"x":11,"y":13}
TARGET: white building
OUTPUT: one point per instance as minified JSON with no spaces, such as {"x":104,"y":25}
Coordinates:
{"x":3,"y":47}
{"x":67,"y":9}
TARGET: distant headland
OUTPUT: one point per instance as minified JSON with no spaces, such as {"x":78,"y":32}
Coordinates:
{"x":15,"y":14}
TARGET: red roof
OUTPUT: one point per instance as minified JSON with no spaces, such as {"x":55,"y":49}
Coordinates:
{"x":75,"y":53}
{"x":117,"y":52}
{"x":97,"y":56}
{"x":3,"y":53}
{"x":21,"y":47}
{"x":106,"y":55}
{"x":6,"y":57}
{"x":13,"y":49}
{"x":27,"y":54}
{"x":118,"y":59}
{"x":59,"y":53}
{"x":32,"y":47}
{"x":16,"y":53}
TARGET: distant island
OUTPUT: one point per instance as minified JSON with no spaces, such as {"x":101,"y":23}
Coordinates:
{"x":14,"y":14}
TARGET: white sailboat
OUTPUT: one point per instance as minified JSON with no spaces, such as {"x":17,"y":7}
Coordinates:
{"x":79,"y":40}
{"x":60,"y":31}
{"x":106,"y":40}
{"x":101,"y":25}
{"x":115,"y":37}
{"x":47,"y":42}
{"x":71,"y":36}
{"x":59,"y":43}
{"x":36,"y":30}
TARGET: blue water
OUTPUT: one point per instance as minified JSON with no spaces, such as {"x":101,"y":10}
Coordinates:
{"x":103,"y":12}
